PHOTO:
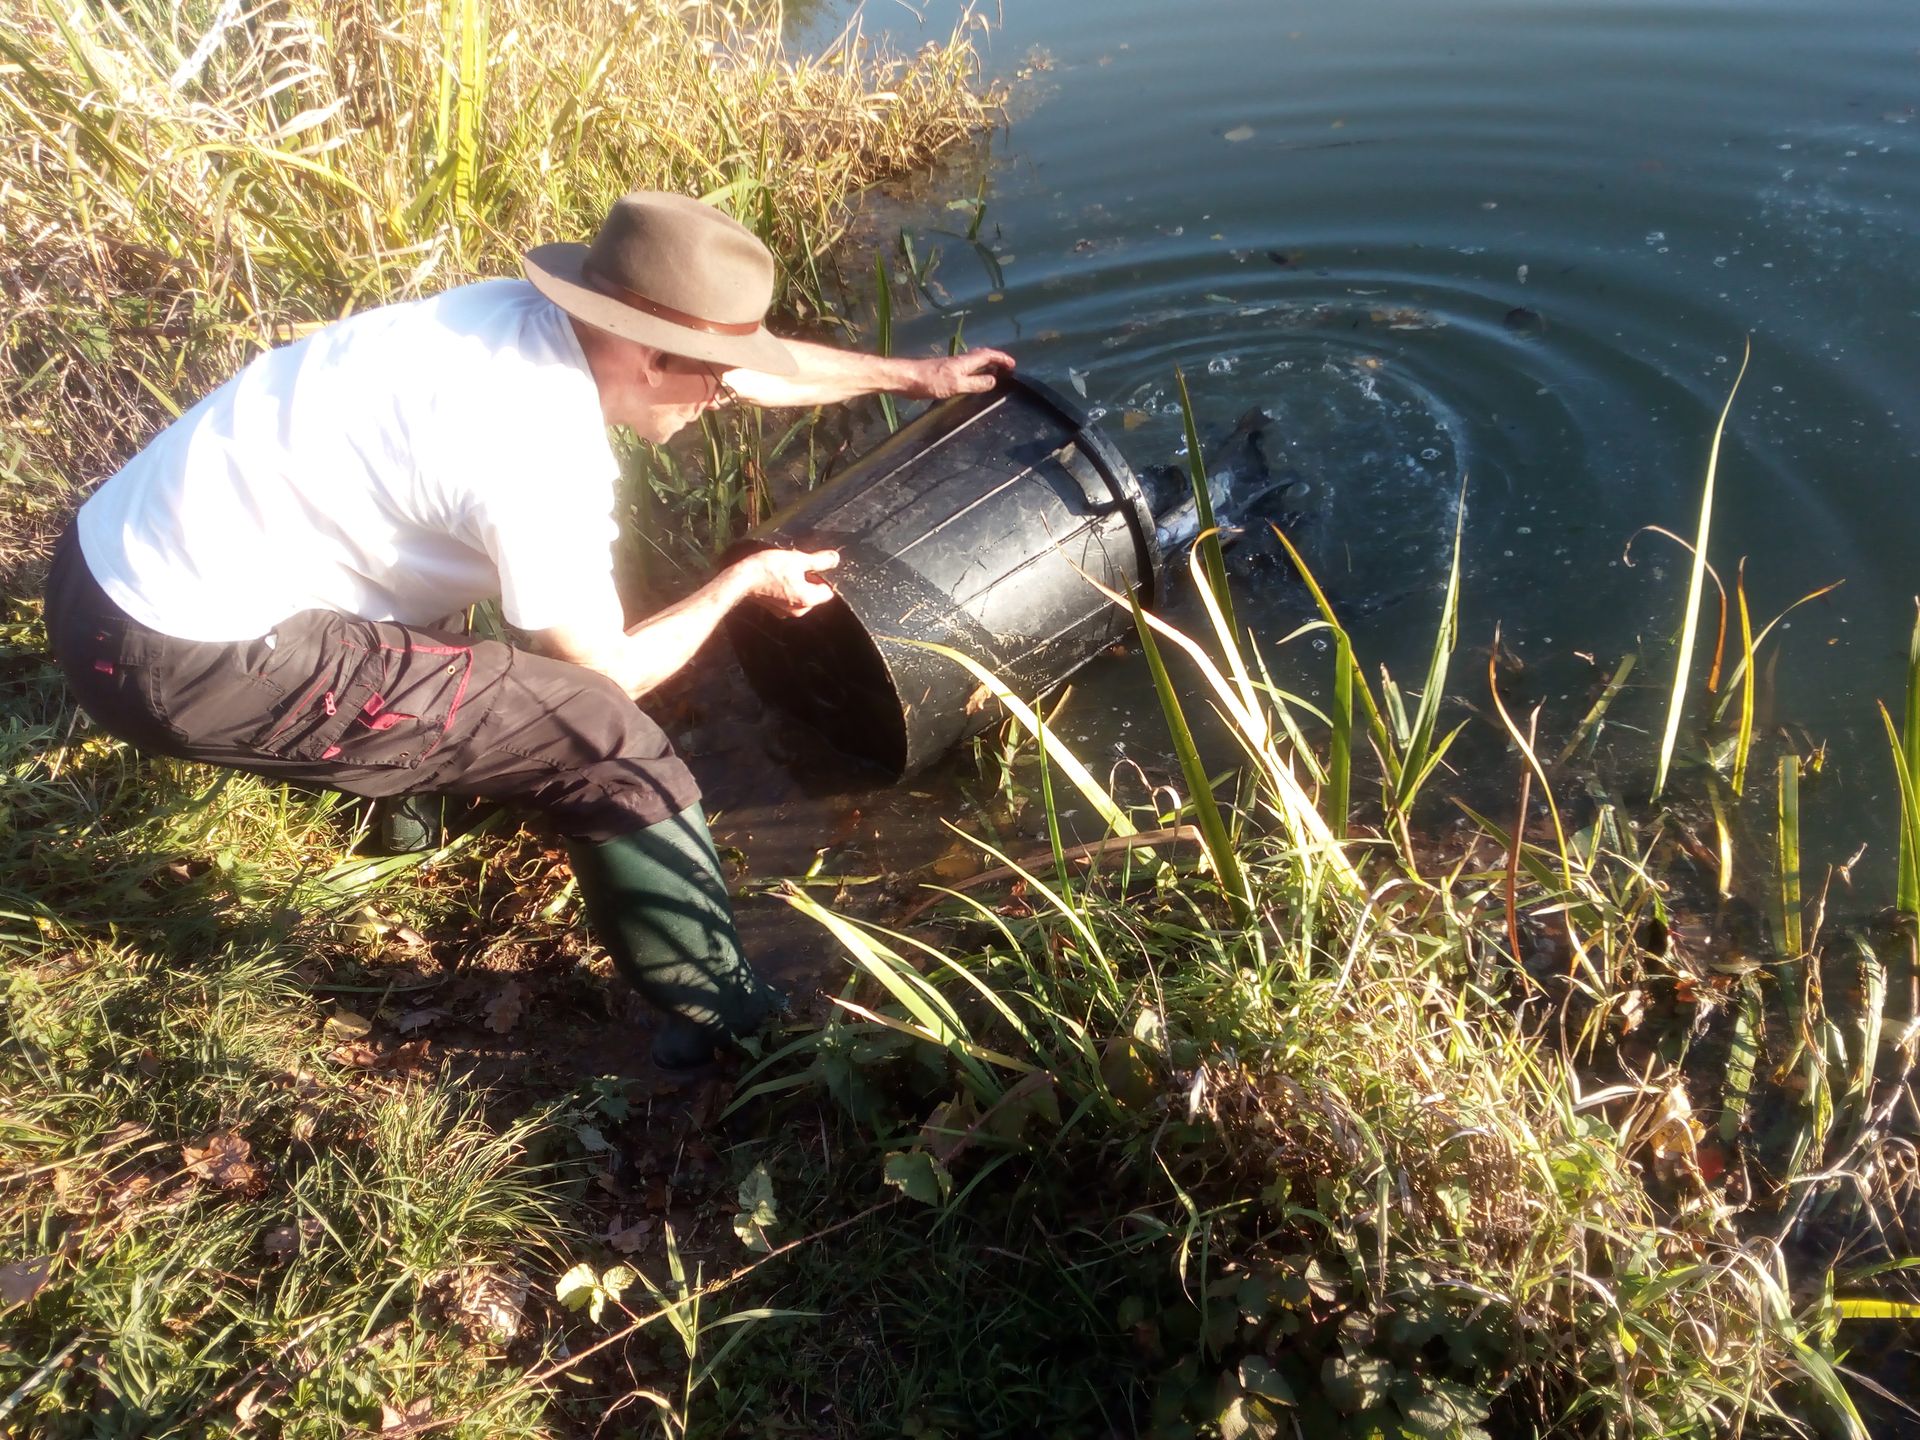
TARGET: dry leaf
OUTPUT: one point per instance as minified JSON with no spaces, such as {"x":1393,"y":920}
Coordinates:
{"x":281,"y":1240}
{"x":401,"y":1059}
{"x":629,"y":1238}
{"x":490,"y":1304}
{"x":409,"y":937}
{"x":504,"y":1009}
{"x":223,"y":1158}
{"x":250,"y":1405}
{"x":405,"y":1422}
{"x":1674,"y":1129}
{"x":977,"y":701}
{"x":960,"y":861}
{"x":411,"y":1020}
{"x":24,"y":1279}
{"x":345,"y":1024}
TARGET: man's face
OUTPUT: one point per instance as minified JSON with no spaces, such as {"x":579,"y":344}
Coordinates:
{"x":682,"y":389}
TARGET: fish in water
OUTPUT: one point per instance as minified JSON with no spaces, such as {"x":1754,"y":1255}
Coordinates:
{"x":1239,"y":476}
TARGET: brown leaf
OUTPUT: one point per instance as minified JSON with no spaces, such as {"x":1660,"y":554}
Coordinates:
{"x":407,"y":1421}
{"x":281,"y":1240}
{"x":223,"y":1158}
{"x":24,"y":1279}
{"x":250,"y":1404}
{"x":411,"y":1020}
{"x":490,"y":1304}
{"x":345,"y":1024}
{"x":409,"y":937}
{"x":404,"y":1059}
{"x":504,"y":1009}
{"x":629,"y":1238}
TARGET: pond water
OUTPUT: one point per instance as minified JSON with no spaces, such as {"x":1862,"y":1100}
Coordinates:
{"x":1522,"y":243}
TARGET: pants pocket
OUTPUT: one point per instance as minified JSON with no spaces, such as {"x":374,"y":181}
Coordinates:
{"x":372,"y":694}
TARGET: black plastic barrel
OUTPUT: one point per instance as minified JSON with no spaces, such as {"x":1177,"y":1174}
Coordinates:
{"x":969,"y":527}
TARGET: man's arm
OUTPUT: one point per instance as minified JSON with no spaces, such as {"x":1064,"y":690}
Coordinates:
{"x":827,"y":376}
{"x":643,"y":657}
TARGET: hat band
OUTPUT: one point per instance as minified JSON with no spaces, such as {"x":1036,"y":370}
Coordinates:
{"x":637,"y":301}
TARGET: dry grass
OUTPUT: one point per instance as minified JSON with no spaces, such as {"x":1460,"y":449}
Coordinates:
{"x":182,"y":185}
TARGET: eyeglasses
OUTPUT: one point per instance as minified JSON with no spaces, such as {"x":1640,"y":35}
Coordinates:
{"x":721,"y":394}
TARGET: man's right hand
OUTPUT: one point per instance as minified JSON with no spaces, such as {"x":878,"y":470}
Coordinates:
{"x":787,"y":582}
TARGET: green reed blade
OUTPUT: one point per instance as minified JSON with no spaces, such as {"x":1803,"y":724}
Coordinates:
{"x":1909,"y":806}
{"x":1696,"y":583}
{"x":1873,"y":1007}
{"x":1791,"y":943}
{"x":1737,"y":1095}
{"x":466,"y":142}
{"x":1590,"y":722}
{"x":1908,"y":894}
{"x":1863,"y":1307}
{"x":1743,"y":746}
{"x":1415,"y":766}
{"x":1760,"y":638}
{"x":1340,"y":754}
{"x":1376,"y":724}
{"x":883,"y":326}
{"x":1206,"y":810}
{"x":1208,"y":545}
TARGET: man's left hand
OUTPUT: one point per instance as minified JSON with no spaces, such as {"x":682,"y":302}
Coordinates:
{"x":967,"y":373}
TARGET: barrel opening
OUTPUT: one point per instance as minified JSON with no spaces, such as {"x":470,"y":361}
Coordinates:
{"x":825,"y":668}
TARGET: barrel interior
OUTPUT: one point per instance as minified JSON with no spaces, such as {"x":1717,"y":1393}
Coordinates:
{"x":825,"y":668}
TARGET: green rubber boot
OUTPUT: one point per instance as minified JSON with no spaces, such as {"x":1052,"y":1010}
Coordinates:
{"x":657,"y":903}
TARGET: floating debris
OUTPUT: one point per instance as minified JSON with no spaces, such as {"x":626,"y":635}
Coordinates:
{"x":1237,"y":134}
{"x":1526,"y":323}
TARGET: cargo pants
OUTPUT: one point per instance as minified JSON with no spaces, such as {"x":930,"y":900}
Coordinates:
{"x":372,"y":708}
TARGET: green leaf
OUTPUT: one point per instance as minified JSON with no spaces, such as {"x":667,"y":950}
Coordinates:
{"x":1258,"y":1377}
{"x":1862,"y":1308}
{"x":1246,"y":1418}
{"x":575,"y":1286}
{"x":618,"y":1279}
{"x":1355,"y":1385}
{"x":758,"y":1212}
{"x":919,"y":1176}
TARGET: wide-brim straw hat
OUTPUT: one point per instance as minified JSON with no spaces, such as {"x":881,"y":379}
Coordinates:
{"x":670,"y":272}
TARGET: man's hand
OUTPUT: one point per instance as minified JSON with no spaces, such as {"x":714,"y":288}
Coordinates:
{"x":787,"y":581}
{"x":967,"y":373}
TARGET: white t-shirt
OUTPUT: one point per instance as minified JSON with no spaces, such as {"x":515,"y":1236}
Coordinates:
{"x":400,"y":464}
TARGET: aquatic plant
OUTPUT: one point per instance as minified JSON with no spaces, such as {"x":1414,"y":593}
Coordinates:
{"x":1397,"y":1136}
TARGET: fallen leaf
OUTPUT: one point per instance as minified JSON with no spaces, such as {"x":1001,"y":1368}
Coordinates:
{"x":223,"y":1158}
{"x":411,"y":1020}
{"x":1134,"y":419}
{"x":407,"y":1421}
{"x":24,"y":1279}
{"x":977,"y":701}
{"x":409,"y":937}
{"x":629,"y":1238}
{"x":490,"y":1304}
{"x":250,"y":1405}
{"x":1237,"y":134}
{"x":345,"y":1024}
{"x":281,"y":1240}
{"x":504,"y":1009}
{"x":960,"y":861}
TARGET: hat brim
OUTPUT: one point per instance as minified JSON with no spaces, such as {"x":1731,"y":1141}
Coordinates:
{"x":555,"y":271}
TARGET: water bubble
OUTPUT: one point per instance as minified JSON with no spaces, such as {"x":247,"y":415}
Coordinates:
{"x":1223,"y":364}
{"x":1429,"y":454}
{"x":1526,"y":530}
{"x":1654,"y":237}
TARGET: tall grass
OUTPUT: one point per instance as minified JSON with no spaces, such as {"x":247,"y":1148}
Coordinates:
{"x":182,"y":185}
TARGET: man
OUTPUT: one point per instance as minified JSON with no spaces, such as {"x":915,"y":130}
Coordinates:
{"x":258,"y":588}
